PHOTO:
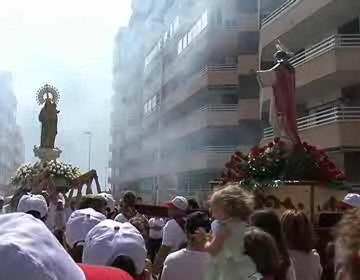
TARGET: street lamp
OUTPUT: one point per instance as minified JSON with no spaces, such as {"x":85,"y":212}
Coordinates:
{"x":88,"y":133}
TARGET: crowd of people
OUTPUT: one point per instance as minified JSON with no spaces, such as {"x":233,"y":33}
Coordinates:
{"x":54,"y":236}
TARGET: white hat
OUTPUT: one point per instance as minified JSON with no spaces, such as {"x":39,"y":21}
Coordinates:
{"x":350,"y":200}
{"x":178,"y":202}
{"x":110,"y":201}
{"x":80,"y":223}
{"x":33,"y":202}
{"x":1,"y":198}
{"x":32,"y":251}
{"x":110,"y":239}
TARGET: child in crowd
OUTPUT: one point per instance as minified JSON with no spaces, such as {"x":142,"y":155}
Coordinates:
{"x":347,"y":246}
{"x":329,"y":267}
{"x":269,"y":221}
{"x":231,"y":206}
{"x":299,"y":235}
{"x":261,"y":247}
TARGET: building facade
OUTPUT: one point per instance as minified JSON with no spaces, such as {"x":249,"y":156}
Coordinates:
{"x":11,"y":141}
{"x":324,"y":36}
{"x":185,"y":95}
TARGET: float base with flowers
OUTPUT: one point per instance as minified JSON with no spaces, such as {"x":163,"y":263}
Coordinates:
{"x":286,"y":176}
{"x":63,"y":173}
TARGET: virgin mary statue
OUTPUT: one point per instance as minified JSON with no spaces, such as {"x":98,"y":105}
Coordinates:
{"x":49,"y":119}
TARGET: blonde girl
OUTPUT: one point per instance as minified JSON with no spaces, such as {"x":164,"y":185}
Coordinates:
{"x":231,"y":207}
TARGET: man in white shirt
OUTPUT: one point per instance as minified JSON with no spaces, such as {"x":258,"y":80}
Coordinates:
{"x":128,"y":210}
{"x":156,"y":231}
{"x":189,"y":263}
{"x":174,"y":231}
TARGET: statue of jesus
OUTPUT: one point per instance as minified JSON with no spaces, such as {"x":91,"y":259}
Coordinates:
{"x":283,"y":102}
{"x":48,"y":118}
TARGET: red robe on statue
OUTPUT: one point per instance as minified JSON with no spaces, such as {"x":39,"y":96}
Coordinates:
{"x":285,"y":100}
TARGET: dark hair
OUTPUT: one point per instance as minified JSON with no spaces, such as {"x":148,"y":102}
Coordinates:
{"x":35,"y":214}
{"x":46,"y":196}
{"x":256,"y":243}
{"x":348,"y":240}
{"x":268,"y":221}
{"x":125,"y":263}
{"x":197,"y":220}
{"x":129,"y":199}
{"x":96,"y":202}
{"x":76,"y":253}
{"x":297,"y":230}
{"x":193,"y":204}
{"x":59,"y":234}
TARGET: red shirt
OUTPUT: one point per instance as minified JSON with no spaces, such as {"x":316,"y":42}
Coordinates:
{"x":95,"y":272}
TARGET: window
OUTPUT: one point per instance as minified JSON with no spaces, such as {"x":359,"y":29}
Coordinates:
{"x":194,"y":32}
{"x":180,"y":46}
{"x":204,"y":20}
{"x":151,"y":104}
{"x":176,"y":24}
{"x":166,"y":36}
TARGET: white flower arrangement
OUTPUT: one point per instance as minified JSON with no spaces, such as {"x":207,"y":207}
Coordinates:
{"x":55,"y":168}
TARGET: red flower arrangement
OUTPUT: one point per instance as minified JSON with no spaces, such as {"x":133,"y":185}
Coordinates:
{"x":280,"y":161}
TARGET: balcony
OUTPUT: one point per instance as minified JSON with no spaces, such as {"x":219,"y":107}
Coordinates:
{"x":207,"y":116}
{"x":334,"y":62}
{"x":221,"y":75}
{"x":301,"y":22}
{"x":283,"y":8}
{"x":207,"y":158}
{"x":329,"y":128}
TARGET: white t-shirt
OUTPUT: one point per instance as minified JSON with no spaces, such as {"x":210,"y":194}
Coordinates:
{"x":307,"y":265}
{"x":185,"y":264}
{"x":173,"y":235}
{"x":215,"y":225}
{"x":50,"y":219}
{"x":291,"y":275}
{"x":60,"y":218}
{"x":156,"y":228}
{"x":120,"y":218}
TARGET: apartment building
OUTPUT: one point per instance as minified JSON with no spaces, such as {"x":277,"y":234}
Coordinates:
{"x":324,"y":35}
{"x":185,"y":96}
{"x":11,"y":142}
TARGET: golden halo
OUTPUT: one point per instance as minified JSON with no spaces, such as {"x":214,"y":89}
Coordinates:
{"x":47,"y":91}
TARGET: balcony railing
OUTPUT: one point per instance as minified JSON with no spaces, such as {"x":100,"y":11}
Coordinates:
{"x":279,"y":11}
{"x":220,"y":149}
{"x":323,"y":117}
{"x":332,"y":42}
{"x":183,"y":91}
{"x":210,"y":68}
{"x":179,"y":161}
{"x":210,"y":108}
{"x":199,"y":117}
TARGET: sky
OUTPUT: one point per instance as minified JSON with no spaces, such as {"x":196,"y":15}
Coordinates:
{"x":68,"y":44}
